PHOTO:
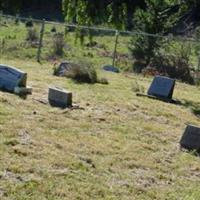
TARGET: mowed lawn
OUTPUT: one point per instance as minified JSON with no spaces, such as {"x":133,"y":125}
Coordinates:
{"x":112,"y":145}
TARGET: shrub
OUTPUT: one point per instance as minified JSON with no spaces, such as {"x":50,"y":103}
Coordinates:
{"x":135,"y":87}
{"x":58,"y":44}
{"x":83,"y":72}
{"x":53,"y":29}
{"x":174,"y":64}
{"x":17,"y":20}
{"x":29,"y":23}
{"x":32,"y":35}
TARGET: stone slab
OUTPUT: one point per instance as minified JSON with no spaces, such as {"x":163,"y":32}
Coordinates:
{"x":191,"y":138}
{"x":60,"y":98}
{"x":111,"y":68}
{"x":162,"y":87}
{"x":11,"y":77}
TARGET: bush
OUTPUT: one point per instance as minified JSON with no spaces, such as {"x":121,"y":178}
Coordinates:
{"x":174,"y":65}
{"x":58,"y":44}
{"x":32,"y":35}
{"x":82,"y":72}
{"x":17,"y":20}
{"x":29,"y":23}
{"x":53,"y":29}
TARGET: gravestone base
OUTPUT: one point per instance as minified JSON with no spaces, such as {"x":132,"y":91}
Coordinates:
{"x":23,"y":90}
{"x":60,"y":98}
{"x":191,"y":138}
{"x":173,"y":101}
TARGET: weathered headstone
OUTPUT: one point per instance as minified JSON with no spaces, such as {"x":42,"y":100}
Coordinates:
{"x":111,"y":68}
{"x":64,"y":68}
{"x":60,"y":98}
{"x":162,"y":87}
{"x":10,"y":78}
{"x":191,"y":138}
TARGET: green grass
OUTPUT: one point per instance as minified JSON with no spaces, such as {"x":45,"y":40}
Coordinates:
{"x":118,"y":146}
{"x":13,"y":44}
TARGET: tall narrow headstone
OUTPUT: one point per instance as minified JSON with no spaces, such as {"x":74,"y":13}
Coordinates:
{"x":191,"y":138}
{"x":60,"y":98}
{"x":10,"y":78}
{"x":162,"y":87}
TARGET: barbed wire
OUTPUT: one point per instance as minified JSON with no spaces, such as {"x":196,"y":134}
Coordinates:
{"x":170,"y":36}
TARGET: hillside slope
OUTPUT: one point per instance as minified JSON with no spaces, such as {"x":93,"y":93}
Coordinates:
{"x":115,"y":146}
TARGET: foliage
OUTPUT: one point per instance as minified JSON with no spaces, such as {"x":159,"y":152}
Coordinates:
{"x":29,"y":23}
{"x":159,"y":17}
{"x":32,"y":34}
{"x":58,"y":44}
{"x":53,"y":29}
{"x":89,"y":12}
{"x":174,"y":63}
{"x":81,"y":72}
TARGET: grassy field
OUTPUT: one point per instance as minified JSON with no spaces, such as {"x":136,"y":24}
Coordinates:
{"x":14,"y":44}
{"x":115,"y":145}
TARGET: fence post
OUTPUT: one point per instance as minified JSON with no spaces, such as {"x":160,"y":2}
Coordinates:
{"x":115,"y":49}
{"x":40,"y":41}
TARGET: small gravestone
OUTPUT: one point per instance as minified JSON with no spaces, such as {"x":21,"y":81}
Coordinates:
{"x":191,"y":138}
{"x":111,"y":68}
{"x":162,"y":87}
{"x":60,"y":98}
{"x":64,"y":68}
{"x":10,"y":78}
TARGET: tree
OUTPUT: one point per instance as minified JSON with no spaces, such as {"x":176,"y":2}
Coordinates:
{"x":156,"y":20}
{"x":118,"y":13}
{"x":12,"y":6}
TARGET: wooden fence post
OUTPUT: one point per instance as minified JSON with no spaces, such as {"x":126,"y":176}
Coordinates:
{"x":115,"y":49}
{"x":40,"y":41}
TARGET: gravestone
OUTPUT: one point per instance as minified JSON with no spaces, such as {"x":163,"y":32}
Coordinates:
{"x":10,"y":78}
{"x":162,"y":87}
{"x":64,"y":68}
{"x":191,"y":138}
{"x":60,"y":98}
{"x":111,"y":68}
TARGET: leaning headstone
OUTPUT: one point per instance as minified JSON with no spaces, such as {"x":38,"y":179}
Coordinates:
{"x":191,"y":138}
{"x":162,"y":87}
{"x":111,"y":68}
{"x":60,"y":98}
{"x":10,"y":78}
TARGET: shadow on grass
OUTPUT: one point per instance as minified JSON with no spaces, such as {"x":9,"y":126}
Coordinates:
{"x":22,"y":96}
{"x":194,"y":106}
{"x":192,"y":152}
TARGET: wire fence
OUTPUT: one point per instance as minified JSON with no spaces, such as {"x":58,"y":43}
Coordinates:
{"x":45,"y":40}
